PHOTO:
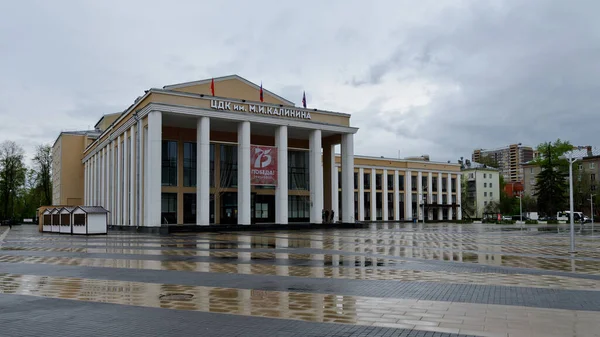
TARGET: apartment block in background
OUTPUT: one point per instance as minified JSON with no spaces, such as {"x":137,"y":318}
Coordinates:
{"x":510,"y":160}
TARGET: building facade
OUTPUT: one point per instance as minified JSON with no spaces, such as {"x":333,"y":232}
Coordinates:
{"x":510,"y":160}
{"x":184,"y":154}
{"x":482,"y":187}
{"x":67,"y":170}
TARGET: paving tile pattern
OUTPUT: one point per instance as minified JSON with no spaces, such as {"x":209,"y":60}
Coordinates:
{"x":389,"y":279}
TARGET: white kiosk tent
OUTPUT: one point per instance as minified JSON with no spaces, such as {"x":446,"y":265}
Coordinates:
{"x":90,"y":220}
{"x":55,"y":220}
{"x":66,"y":220}
{"x":47,"y":220}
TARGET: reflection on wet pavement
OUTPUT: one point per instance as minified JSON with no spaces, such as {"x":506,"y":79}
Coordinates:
{"x":519,"y":280}
{"x":463,"y":318}
{"x":440,"y":254}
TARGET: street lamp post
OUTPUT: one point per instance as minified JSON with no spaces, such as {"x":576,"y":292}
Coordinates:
{"x":592,"y":211}
{"x":571,"y":221}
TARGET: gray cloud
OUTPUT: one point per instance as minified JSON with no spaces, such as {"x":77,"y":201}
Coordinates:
{"x":426,"y":77}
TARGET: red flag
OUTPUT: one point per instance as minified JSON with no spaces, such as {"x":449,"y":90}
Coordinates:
{"x":212,"y":86}
{"x":261,"y":93}
{"x":304,"y":99}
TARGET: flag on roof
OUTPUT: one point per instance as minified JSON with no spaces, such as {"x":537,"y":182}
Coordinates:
{"x":304,"y":99}
{"x":261,"y":93}
{"x":212,"y":86}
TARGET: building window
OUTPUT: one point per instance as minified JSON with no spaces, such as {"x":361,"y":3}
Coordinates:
{"x":169,"y":163}
{"x":229,"y":168}
{"x":593,"y":177}
{"x":531,"y":182}
{"x":490,"y":185}
{"x":379,"y":206}
{"x":531,"y":170}
{"x":485,"y":194}
{"x":454,"y":199}
{"x":444,"y":184}
{"x":168,"y":208}
{"x":355,"y":180}
{"x":189,"y":164}
{"x":413,"y":183}
{"x":593,"y":187}
{"x":423,"y":183}
{"x":401,"y":182}
{"x":390,"y":207}
{"x":367,"y":205}
{"x":378,"y":181}
{"x":339,"y":179}
{"x":298,"y":170}
{"x":434,"y":182}
{"x":453,"y":184}
{"x":484,"y":184}
{"x":592,"y":165}
{"x":390,"y":182}
{"x":298,"y":207}
{"x":484,"y":176}
{"x":491,"y":194}
{"x":367,"y":181}
{"x":485,"y":203}
{"x":581,"y":166}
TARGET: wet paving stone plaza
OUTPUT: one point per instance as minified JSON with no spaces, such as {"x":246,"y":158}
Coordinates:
{"x":384,"y":280}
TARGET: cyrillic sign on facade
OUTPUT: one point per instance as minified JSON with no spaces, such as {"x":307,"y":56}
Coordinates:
{"x":259,"y":109}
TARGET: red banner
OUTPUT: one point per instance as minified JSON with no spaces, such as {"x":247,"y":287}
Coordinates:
{"x":263,"y":165}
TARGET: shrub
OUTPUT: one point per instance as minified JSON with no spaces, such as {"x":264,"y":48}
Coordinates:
{"x":508,"y":222}
{"x":552,"y":222}
{"x":465,"y":221}
{"x":531,"y":222}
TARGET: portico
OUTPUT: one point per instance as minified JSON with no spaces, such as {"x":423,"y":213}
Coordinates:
{"x":182,"y":156}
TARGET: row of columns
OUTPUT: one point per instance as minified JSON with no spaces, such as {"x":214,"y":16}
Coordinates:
{"x":110,"y":175}
{"x":110,"y":178}
{"x":407,"y":194}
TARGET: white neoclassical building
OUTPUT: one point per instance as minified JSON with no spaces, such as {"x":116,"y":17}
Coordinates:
{"x":225,"y":151}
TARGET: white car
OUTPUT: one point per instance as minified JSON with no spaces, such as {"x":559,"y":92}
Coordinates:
{"x":506,"y":217}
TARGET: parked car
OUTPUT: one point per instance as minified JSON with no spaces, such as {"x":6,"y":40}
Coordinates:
{"x":507,"y":217}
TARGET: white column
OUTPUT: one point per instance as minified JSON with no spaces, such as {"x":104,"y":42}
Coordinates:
{"x":118,"y":184}
{"x":281,"y":190}
{"x":110,"y":180}
{"x":244,"y":174}
{"x":95,"y":180}
{"x":458,"y":196}
{"x":125,"y":177}
{"x":361,"y":194}
{"x":439,"y":196}
{"x":153,"y":169}
{"x":101,"y":178}
{"x":373,"y":195}
{"x":449,"y":194}
{"x":347,"y":160}
{"x":335,"y":183}
{"x":316,"y":177}
{"x":430,"y":194}
{"x":92,"y":180}
{"x":85,"y":188}
{"x":203,"y":171}
{"x":384,"y":195}
{"x":396,"y":196}
{"x":420,"y":195}
{"x":105,"y":174}
{"x":132,"y":177}
{"x":408,"y":195}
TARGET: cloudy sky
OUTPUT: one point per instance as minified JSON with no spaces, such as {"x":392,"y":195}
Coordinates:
{"x":419,"y":77}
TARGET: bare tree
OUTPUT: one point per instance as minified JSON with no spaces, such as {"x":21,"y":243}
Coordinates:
{"x":12,"y":174}
{"x":43,"y":173}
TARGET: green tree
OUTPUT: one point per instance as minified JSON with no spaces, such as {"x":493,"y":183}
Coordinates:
{"x":551,"y":183}
{"x":12,"y":176}
{"x":42,"y":164}
{"x":489,"y":161}
{"x":467,"y":200}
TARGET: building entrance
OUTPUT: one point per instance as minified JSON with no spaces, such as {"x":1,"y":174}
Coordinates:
{"x":263,"y":208}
